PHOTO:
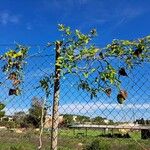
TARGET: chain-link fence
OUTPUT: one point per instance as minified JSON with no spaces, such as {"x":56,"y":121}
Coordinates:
{"x":84,"y":123}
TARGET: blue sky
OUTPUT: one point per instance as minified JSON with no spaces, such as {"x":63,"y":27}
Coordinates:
{"x":35,"y":22}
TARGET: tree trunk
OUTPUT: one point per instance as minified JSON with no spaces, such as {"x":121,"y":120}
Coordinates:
{"x":55,"y":113}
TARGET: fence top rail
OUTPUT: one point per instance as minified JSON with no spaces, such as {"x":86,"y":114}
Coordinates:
{"x":133,"y":127}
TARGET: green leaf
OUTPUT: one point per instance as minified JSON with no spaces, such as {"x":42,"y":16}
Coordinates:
{"x":92,"y":70}
{"x":61,"y":27}
{"x":2,"y":106}
{"x":86,"y":74}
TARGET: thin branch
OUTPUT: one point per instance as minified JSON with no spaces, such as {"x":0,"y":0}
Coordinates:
{"x":42,"y":124}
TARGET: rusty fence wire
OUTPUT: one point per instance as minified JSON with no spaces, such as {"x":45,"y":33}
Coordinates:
{"x":84,"y":123}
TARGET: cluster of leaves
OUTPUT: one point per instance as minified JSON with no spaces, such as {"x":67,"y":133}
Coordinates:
{"x":14,"y":61}
{"x":132,"y":52}
{"x":95,"y":145}
{"x":73,"y":49}
{"x":35,"y":113}
{"x":46,"y":83}
{"x":2,"y":113}
{"x":93,"y":66}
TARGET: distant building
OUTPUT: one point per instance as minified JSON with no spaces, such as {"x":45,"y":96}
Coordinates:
{"x":106,"y":121}
{"x":142,"y":121}
{"x":127,"y":125}
{"x":7,"y":118}
{"x":74,"y":118}
{"x":48,"y":121}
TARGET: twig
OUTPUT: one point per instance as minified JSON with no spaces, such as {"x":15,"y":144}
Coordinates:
{"x":140,"y":144}
{"x":42,"y":125}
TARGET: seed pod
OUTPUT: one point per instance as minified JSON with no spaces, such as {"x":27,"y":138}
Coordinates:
{"x":122,"y":72}
{"x":101,"y":55}
{"x":16,"y":65}
{"x":124,"y":94}
{"x":12,"y":76}
{"x":138,"y":51}
{"x":14,"y":92}
{"x":16,"y":82}
{"x":121,"y":97}
{"x":108,"y":92}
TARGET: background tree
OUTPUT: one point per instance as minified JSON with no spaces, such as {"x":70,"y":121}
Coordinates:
{"x":111,"y":122}
{"x":19,"y":118}
{"x":142,"y":121}
{"x":2,"y":113}
{"x":68,"y":119}
{"x":35,"y":112}
{"x":82,"y":119}
{"x":98,"y":120}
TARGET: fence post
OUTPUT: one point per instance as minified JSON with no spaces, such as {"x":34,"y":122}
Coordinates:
{"x":55,"y":113}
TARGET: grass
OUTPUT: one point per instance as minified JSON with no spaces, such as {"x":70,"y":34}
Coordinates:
{"x":76,"y":132}
{"x":68,"y":140}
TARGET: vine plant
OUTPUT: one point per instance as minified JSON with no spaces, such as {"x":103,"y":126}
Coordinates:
{"x":14,"y":61}
{"x":93,"y":66}
{"x":2,"y":112}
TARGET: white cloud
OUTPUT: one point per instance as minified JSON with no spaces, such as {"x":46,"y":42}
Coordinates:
{"x":124,"y":112}
{"x":91,"y":107}
{"x":114,"y":16}
{"x":12,"y":110}
{"x":6,"y":18}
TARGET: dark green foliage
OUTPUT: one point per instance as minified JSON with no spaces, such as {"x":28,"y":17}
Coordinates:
{"x":71,"y":119}
{"x":46,"y":84}
{"x":97,"y":145}
{"x":35,"y":113}
{"x":82,"y":119}
{"x":14,"y":61}
{"x":8,"y":124}
{"x":143,"y":121}
{"x":17,"y":148}
{"x":83,"y":59}
{"x":19,"y":118}
{"x":68,"y":119}
{"x":2,"y":113}
{"x":98,"y":120}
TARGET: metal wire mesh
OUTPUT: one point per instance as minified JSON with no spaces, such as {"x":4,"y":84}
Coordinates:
{"x":84,"y":123}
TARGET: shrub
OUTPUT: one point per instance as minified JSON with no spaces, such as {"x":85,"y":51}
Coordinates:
{"x":17,"y":148}
{"x":96,"y":145}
